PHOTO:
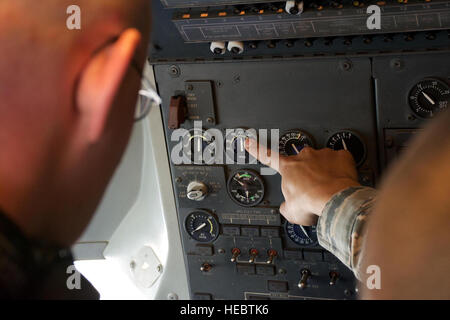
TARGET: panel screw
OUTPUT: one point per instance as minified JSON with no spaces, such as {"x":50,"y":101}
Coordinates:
{"x":133,"y":264}
{"x":346,"y":65}
{"x":210,"y":120}
{"x":237,"y":79}
{"x":178,"y":180}
{"x":397,"y":64}
{"x":221,"y":251}
{"x":159,"y":268}
{"x":174,"y":71}
{"x":190,"y":87}
{"x":411,"y":117}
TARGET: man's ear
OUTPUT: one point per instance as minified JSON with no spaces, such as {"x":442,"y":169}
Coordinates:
{"x":101,"y":81}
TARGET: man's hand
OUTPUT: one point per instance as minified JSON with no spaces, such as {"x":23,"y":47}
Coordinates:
{"x":309,"y":179}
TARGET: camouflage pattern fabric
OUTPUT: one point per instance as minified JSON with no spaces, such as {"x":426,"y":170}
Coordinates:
{"x":341,"y":227}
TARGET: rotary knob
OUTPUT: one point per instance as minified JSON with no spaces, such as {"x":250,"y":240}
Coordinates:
{"x":197,"y":191}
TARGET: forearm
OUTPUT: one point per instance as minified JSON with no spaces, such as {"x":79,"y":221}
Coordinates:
{"x":341,"y":228}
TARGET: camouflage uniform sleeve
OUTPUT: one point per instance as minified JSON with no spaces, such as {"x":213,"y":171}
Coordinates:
{"x":340,"y":229}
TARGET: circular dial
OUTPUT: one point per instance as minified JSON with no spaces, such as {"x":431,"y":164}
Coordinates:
{"x":429,"y":97}
{"x":246,"y":188}
{"x":293,"y":142}
{"x":198,"y":146}
{"x":347,"y":140}
{"x":202,"y":226}
{"x":303,"y":236}
{"x":235,"y":146}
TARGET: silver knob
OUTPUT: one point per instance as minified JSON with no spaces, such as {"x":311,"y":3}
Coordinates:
{"x":197,"y":191}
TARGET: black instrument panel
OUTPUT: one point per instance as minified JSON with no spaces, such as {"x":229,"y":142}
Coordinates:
{"x":369,"y":101}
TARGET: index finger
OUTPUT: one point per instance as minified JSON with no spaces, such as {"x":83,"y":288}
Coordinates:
{"x":266,"y":156}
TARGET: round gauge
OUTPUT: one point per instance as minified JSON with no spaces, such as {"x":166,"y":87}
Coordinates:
{"x":293,"y":142}
{"x":347,"y":140}
{"x":429,"y":97}
{"x":198,"y":146}
{"x":246,"y":188}
{"x":235,"y":146}
{"x":303,"y":236}
{"x":202,"y":226}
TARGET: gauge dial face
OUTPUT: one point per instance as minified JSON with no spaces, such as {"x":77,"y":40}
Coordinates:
{"x":202,"y":226}
{"x":429,"y":97}
{"x":198,"y":147}
{"x":293,"y":142}
{"x":235,"y":146}
{"x":347,"y":140}
{"x":246,"y":188}
{"x":303,"y":236}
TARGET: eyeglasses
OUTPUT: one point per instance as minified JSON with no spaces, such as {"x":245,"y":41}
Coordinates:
{"x":148,"y":97}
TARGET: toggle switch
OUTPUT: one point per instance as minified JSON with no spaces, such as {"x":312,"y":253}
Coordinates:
{"x":334,"y":276}
{"x":304,"y":280}
{"x":206,"y":267}
{"x":253,"y":255}
{"x":235,"y":254}
{"x":177,"y":112}
{"x":272,"y":254}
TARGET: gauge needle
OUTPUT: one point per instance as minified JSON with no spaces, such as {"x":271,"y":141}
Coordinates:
{"x":304,"y":231}
{"x":345,"y":145}
{"x":428,"y":98}
{"x":295,"y":148}
{"x":246,"y":193}
{"x":242,"y":184}
{"x":200,"y":227}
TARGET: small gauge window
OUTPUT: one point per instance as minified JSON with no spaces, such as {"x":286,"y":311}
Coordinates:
{"x":202,"y":226}
{"x":292,"y":142}
{"x":429,"y":97}
{"x":302,"y":235}
{"x":246,"y":188}
{"x":350,"y":141}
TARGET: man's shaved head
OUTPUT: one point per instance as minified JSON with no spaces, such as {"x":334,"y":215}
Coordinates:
{"x":66,"y":102}
{"x":34,"y":33}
